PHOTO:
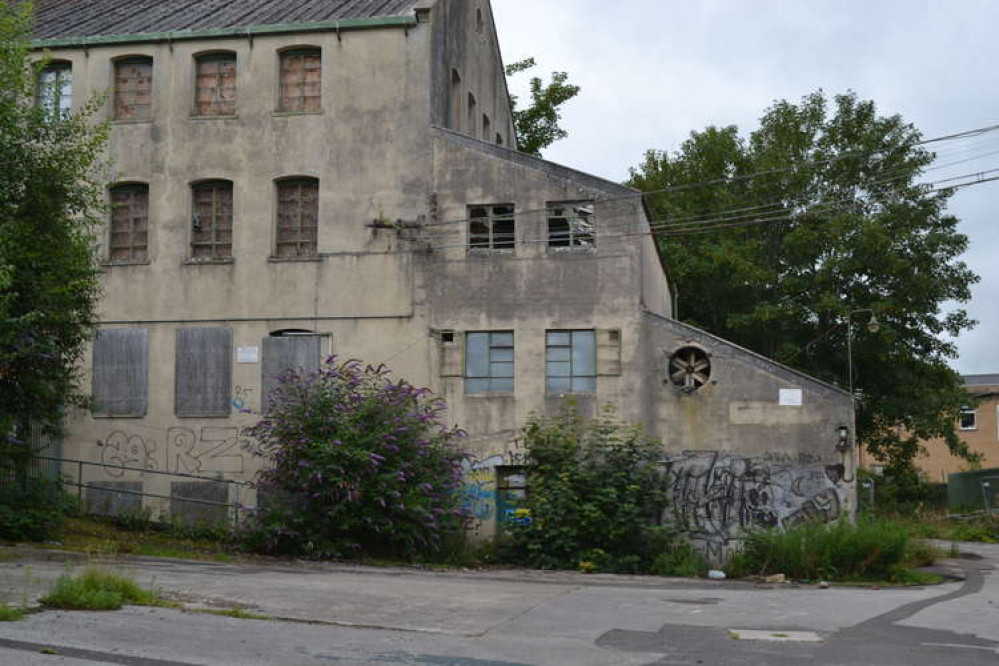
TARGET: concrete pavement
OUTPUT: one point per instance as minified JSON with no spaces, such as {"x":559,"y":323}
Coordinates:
{"x":359,"y":615}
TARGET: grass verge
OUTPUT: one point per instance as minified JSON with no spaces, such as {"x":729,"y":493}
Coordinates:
{"x":867,"y":551}
{"x":98,"y":588}
{"x":103,"y":537}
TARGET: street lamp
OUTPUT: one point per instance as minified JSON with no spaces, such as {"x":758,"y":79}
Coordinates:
{"x":873,"y":325}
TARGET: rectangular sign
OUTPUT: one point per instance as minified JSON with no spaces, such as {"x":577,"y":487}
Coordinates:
{"x":248,"y":355}
{"x":791,"y":398}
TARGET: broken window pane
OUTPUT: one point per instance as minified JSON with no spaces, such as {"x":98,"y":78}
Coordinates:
{"x":571,"y":362}
{"x":301,"y":80}
{"x":129,"y":232}
{"x":55,"y":89}
{"x":298,"y":218}
{"x":491,"y":227}
{"x":489,"y":362}
{"x":215,"y":88}
{"x":211,"y":220}
{"x":570,"y":224}
{"x":133,"y":89}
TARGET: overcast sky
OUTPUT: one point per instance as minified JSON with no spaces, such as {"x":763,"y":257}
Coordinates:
{"x":653,"y":70}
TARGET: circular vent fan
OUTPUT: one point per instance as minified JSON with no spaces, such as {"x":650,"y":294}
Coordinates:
{"x":689,"y":369}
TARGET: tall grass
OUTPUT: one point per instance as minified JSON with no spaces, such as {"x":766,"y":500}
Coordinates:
{"x":97,"y":588}
{"x":875,"y":550}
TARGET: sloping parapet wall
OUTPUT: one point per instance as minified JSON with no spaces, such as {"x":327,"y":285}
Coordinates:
{"x":718,"y":498}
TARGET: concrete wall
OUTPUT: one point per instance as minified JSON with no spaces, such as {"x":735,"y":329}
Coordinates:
{"x":465,"y":42}
{"x":755,"y":447}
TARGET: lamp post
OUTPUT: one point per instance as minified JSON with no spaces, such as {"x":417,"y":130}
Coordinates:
{"x":873,"y":325}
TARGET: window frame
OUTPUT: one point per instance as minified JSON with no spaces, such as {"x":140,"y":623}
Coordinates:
{"x":109,"y":346}
{"x":119,"y":92}
{"x":497,"y":351}
{"x":967,"y":411}
{"x":183,"y":406}
{"x":589,"y":379}
{"x":135,"y":254}
{"x":223,"y":108}
{"x":300,"y":106}
{"x":298,"y":243}
{"x":215,"y":186}
{"x":556,"y":210}
{"x":492,"y":219}
{"x":57,"y":109}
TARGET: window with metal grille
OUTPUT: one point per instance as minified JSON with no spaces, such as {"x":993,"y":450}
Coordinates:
{"x":55,"y":89}
{"x":129,"y":237}
{"x":571,"y":362}
{"x":301,"y":80}
{"x":215,"y":88}
{"x":570,"y":224}
{"x":298,"y":217}
{"x":133,"y":89}
{"x":211,"y":220}
{"x":489,"y":362}
{"x":491,"y":227}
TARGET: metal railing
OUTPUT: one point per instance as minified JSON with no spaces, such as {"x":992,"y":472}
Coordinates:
{"x":233,"y":507}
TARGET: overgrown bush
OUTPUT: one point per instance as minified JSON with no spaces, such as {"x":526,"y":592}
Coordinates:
{"x":596,"y":492}
{"x":359,"y":465}
{"x":866,"y":550}
{"x":97,"y":588}
{"x":33,"y":510}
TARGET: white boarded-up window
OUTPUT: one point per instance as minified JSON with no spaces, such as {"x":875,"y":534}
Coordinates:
{"x":121,"y":372}
{"x":203,"y":379}
{"x":287,"y":352}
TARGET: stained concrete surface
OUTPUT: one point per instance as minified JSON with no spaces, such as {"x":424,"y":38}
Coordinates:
{"x":358,"y":615}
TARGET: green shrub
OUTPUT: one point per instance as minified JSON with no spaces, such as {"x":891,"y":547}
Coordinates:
{"x":595,"y":495}
{"x":10,"y":613}
{"x":97,"y":588}
{"x":867,"y":550}
{"x":34,"y":511}
{"x":134,"y":519}
{"x":359,"y":465}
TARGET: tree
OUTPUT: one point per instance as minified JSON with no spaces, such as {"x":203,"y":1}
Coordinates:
{"x":51,"y":198}
{"x":538,"y":124}
{"x":358,"y":463}
{"x":775,"y":239}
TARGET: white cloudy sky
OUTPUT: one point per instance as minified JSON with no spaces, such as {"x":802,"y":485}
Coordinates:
{"x":653,"y":70}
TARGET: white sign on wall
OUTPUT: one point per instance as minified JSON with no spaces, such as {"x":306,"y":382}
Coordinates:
{"x":791,"y":398}
{"x":248,"y":355}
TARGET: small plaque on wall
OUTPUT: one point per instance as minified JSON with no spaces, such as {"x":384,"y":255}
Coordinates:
{"x":248,"y":355}
{"x":790,"y":398}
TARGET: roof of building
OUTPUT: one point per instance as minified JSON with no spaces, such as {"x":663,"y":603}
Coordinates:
{"x":981,"y":380}
{"x":60,"y":19}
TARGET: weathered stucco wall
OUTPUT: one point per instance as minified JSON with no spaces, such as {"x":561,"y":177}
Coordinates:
{"x":757,"y":446}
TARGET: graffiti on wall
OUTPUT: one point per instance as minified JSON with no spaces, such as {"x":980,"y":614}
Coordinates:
{"x":717,"y":498}
{"x":210,"y":450}
{"x":478,"y":493}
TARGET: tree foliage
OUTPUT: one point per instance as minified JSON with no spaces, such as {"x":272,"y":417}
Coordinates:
{"x":51,"y":198}
{"x":538,"y":124}
{"x":358,"y":464}
{"x":817,"y":214}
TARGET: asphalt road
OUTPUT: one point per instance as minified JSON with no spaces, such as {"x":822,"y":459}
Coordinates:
{"x":328,"y":614}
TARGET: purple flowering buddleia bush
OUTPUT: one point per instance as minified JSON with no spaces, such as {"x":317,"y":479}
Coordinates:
{"x":358,"y":464}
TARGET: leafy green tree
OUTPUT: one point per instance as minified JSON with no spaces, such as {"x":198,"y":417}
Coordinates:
{"x":817,"y":214}
{"x":51,"y":198}
{"x":538,"y":124}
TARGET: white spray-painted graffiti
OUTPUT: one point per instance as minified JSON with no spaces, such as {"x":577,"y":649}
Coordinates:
{"x":718,"y":498}
{"x":213,"y":449}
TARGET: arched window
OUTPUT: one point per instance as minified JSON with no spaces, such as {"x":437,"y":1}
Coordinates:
{"x":297,"y":217}
{"x":129,"y":235}
{"x":133,"y":88}
{"x":215,"y":86}
{"x":55,"y":89}
{"x":211,"y":220}
{"x":301,"y":80}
